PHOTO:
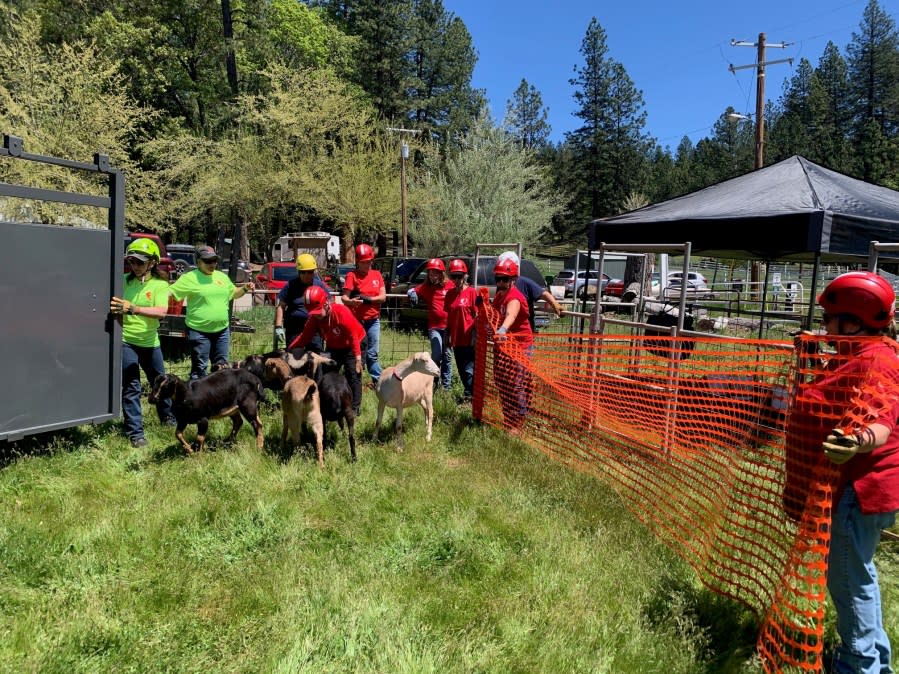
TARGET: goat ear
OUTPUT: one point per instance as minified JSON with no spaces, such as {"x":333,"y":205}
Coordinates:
{"x":310,"y":392}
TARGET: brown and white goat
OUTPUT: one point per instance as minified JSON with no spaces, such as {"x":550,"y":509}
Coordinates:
{"x":299,"y":405}
{"x":226,"y":393}
{"x":405,"y":384}
{"x":334,"y":394}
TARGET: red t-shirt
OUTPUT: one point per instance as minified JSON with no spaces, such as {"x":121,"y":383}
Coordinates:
{"x":820,"y":406}
{"x":521,"y":328}
{"x":340,"y":330}
{"x":434,"y":297}
{"x":369,"y":285}
{"x":461,"y":315}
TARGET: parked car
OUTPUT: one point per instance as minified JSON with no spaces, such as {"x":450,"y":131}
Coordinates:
{"x":697,"y":286}
{"x":615,"y":287}
{"x":184,"y":257}
{"x":574,"y":286}
{"x":401,"y":313}
{"x":335,"y":276}
{"x":271,"y":278}
{"x":396,"y":269}
{"x":243,"y":269}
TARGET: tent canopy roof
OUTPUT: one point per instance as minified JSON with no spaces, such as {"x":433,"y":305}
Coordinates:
{"x":791,"y":210}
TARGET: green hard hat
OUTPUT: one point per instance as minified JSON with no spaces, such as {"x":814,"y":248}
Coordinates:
{"x":143,"y":248}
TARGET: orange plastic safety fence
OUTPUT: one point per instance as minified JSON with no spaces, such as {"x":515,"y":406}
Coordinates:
{"x":692,"y":434}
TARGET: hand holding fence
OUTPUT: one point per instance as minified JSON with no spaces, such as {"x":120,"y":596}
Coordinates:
{"x":840,"y":446}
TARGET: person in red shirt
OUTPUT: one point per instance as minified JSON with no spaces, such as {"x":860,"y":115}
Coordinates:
{"x":433,"y":293}
{"x":512,"y":377}
{"x":342,"y":334}
{"x":850,"y":411}
{"x":461,"y":317}
{"x":364,"y":293}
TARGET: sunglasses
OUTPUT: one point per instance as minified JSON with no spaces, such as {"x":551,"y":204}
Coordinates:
{"x":134,"y":262}
{"x":457,"y":276}
{"x":503,"y":278}
{"x":307,"y":271}
{"x":214,"y":260}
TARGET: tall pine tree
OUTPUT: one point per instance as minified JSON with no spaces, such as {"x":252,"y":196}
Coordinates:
{"x":609,"y":146}
{"x":526,"y":117}
{"x":439,"y":96}
{"x":874,"y":90}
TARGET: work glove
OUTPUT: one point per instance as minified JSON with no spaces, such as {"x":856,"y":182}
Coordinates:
{"x":120,"y":306}
{"x":840,"y":447}
{"x":359,"y":366}
{"x":413,"y":296}
{"x":279,"y":334}
{"x":501,"y":330}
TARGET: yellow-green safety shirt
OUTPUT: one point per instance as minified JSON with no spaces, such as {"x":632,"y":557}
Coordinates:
{"x":208,"y":297}
{"x":143,"y":330}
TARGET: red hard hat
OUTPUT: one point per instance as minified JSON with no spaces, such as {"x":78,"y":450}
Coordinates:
{"x":315,"y":298}
{"x":458,"y":267}
{"x":364,"y":253}
{"x":505,"y":267}
{"x":435,"y":263}
{"x":863,"y":294}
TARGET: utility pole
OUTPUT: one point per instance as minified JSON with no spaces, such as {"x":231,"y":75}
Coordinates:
{"x":759,"y":66}
{"x":404,"y":155}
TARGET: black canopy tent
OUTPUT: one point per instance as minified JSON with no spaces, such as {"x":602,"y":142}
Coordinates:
{"x":794,"y":210}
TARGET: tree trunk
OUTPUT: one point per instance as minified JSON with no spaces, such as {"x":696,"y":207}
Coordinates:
{"x":230,"y":60}
{"x":244,"y":237}
{"x":633,"y":276}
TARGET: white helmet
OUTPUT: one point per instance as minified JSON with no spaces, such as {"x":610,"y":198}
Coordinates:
{"x":509,"y":255}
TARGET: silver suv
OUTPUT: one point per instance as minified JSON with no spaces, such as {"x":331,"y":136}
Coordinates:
{"x":576,"y":286}
{"x":697,"y":286}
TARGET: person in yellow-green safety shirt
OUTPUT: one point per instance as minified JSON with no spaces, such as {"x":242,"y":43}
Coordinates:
{"x":208,"y":293}
{"x":144,"y":302}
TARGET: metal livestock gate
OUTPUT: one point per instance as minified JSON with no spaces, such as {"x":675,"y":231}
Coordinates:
{"x":60,"y":350}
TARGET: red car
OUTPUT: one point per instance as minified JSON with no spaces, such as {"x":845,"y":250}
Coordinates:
{"x":615,"y":287}
{"x":271,"y":278}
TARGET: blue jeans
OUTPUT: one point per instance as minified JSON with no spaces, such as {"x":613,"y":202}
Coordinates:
{"x":852,"y":581}
{"x":204,"y":345}
{"x":373,"y":348}
{"x":465,"y":365}
{"x":442,"y":355}
{"x":134,"y":359}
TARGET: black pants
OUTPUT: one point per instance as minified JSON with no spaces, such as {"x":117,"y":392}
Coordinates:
{"x":347,"y":360}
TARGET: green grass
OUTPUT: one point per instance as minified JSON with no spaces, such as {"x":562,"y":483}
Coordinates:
{"x":474,"y":553}
{"x":471,"y":553}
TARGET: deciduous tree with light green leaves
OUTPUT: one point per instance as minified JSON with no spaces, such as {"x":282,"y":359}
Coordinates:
{"x":310,"y":144}
{"x":67,"y":102}
{"x":489,"y":190}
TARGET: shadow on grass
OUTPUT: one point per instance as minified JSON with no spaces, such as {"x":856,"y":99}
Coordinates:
{"x":54,"y":442}
{"x":728,"y":630}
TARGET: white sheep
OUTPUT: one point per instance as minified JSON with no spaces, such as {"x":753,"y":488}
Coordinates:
{"x":403,"y":385}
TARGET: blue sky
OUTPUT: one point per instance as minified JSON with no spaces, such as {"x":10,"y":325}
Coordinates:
{"x":676,"y":52}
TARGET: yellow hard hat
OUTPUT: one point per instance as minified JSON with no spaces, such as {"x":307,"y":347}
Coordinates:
{"x":306,"y":262}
